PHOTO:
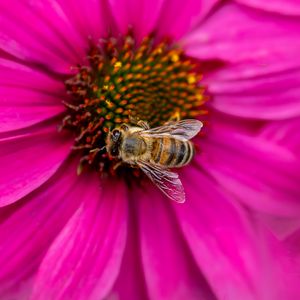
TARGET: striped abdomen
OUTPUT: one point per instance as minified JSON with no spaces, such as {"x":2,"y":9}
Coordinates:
{"x":171,"y":152}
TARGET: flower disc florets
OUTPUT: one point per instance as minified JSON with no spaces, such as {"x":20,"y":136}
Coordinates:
{"x":123,"y":81}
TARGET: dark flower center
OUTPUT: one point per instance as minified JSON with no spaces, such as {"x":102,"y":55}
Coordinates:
{"x":154,"y":82}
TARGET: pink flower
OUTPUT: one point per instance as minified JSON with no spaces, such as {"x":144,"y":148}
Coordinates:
{"x":64,"y":236}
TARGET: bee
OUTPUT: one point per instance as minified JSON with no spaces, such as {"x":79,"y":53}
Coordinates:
{"x":155,"y":151}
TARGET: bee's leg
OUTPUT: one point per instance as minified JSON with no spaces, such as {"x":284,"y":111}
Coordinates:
{"x":132,"y":119}
{"x":117,"y":165}
{"x":81,"y":147}
{"x":97,"y":149}
{"x":139,"y":123}
{"x":143,"y":124}
{"x":64,"y":123}
{"x":89,"y":158}
{"x":81,"y":163}
{"x":135,"y":166}
{"x":124,"y":127}
{"x":174,"y":118}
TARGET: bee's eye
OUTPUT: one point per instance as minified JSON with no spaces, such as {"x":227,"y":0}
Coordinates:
{"x":115,"y":135}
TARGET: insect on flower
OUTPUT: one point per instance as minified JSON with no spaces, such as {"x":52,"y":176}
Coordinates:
{"x":155,"y":150}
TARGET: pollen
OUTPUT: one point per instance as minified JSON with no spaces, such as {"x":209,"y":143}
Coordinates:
{"x":118,"y":64}
{"x":175,"y":57}
{"x":191,"y":79}
{"x":125,"y":81}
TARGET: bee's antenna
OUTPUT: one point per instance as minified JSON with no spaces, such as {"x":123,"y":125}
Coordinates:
{"x":97,"y":149}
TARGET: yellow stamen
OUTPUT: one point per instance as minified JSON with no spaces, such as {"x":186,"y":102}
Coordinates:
{"x":118,"y":64}
{"x":191,"y":79}
{"x":175,"y":57}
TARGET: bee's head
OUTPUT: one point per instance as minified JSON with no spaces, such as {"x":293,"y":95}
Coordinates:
{"x":113,"y":142}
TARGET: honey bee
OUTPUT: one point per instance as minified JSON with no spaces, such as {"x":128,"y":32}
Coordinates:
{"x":155,"y":150}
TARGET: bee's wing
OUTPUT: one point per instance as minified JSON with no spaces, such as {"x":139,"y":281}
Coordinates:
{"x":184,"y":129}
{"x":168,"y":182}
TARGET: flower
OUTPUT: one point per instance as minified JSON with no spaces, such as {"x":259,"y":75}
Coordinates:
{"x":69,"y":236}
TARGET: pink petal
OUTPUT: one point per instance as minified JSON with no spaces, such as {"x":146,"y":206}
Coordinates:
{"x":292,"y":243}
{"x":285,"y":133}
{"x":250,"y":41}
{"x":273,"y":96}
{"x":141,"y":15}
{"x":169,"y":269}
{"x":28,"y":161}
{"x":36,"y":220}
{"x":180,"y":17}
{"x":84,"y":260}
{"x":281,"y":227}
{"x":259,"y":173}
{"x":27,"y":96}
{"x":91,"y":19}
{"x":130,"y":283}
{"x":288,"y":7}
{"x":160,"y":16}
{"x":290,"y":265}
{"x":39,"y":32}
{"x":230,"y":252}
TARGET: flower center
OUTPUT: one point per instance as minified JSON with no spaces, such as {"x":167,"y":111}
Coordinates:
{"x":124,"y":82}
